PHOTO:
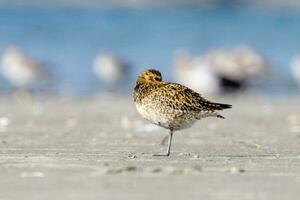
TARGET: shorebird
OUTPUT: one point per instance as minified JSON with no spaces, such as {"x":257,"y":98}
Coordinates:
{"x":295,"y":68}
{"x":187,"y":70}
{"x":220,"y":69}
{"x":171,"y":105}
{"x":110,"y":69}
{"x":239,"y":64}
{"x":20,"y":69}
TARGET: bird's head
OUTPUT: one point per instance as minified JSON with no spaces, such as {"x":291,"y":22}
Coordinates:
{"x":149,"y":76}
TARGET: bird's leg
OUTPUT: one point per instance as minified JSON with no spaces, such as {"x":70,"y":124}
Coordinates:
{"x":169,"y":145}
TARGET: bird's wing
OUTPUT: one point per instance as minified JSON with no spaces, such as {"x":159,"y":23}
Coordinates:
{"x":183,"y":98}
{"x":175,"y":97}
{"x":189,"y":100}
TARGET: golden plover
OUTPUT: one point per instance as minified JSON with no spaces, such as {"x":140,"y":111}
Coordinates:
{"x":171,"y":105}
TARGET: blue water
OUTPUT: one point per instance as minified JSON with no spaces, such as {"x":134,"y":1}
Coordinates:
{"x":69,"y":39}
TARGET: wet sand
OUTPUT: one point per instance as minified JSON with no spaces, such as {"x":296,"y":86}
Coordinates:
{"x":99,"y":148}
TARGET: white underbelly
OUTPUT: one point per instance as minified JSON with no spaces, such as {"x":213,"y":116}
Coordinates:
{"x":164,"y":120}
{"x":153,"y":116}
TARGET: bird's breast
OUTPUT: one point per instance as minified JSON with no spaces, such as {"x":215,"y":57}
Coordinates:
{"x":156,"y":115}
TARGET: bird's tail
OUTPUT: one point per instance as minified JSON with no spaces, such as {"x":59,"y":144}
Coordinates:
{"x":220,"y":116}
{"x":210,"y":109}
{"x":220,"y":106}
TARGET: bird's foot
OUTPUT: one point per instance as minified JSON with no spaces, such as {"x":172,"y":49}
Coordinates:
{"x":161,"y":154}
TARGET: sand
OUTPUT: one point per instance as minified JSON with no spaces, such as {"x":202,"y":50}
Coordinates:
{"x":99,"y":148}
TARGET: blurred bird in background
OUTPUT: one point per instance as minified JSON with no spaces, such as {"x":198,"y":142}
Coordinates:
{"x":21,"y":70}
{"x":110,"y":69}
{"x":195,"y":73}
{"x":295,"y":69}
{"x":220,"y":70}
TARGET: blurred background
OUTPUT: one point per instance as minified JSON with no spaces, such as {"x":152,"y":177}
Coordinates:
{"x":87,"y":47}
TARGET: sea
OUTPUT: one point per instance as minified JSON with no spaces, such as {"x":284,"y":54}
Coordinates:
{"x":68,"y":39}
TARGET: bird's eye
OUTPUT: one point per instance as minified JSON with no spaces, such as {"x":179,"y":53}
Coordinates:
{"x":157,"y":78}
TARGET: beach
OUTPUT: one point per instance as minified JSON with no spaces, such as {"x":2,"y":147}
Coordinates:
{"x":69,"y":128}
{"x":98,"y":147}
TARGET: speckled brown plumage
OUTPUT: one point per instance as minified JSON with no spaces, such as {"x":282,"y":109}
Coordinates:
{"x":171,"y":105}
